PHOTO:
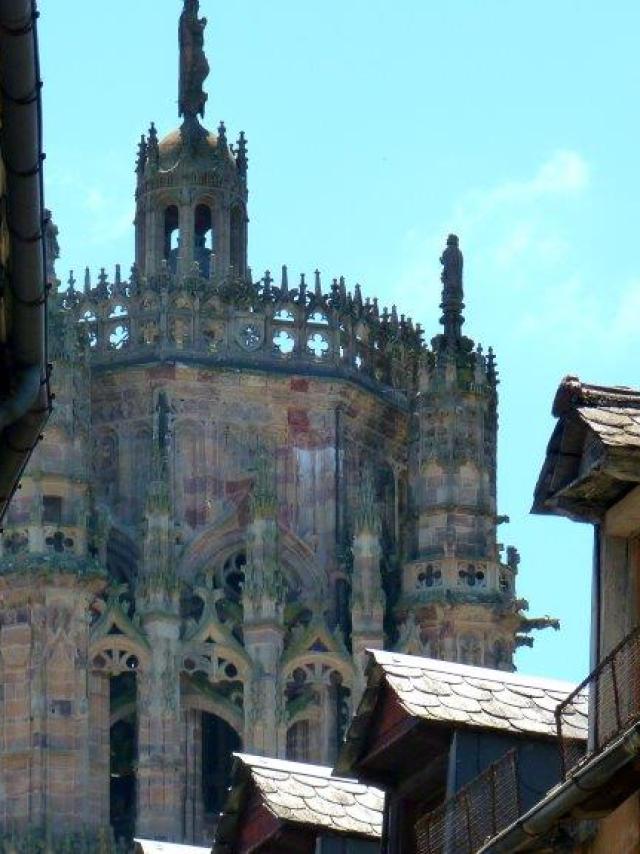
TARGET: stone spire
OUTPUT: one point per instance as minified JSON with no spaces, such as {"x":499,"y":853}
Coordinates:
{"x":452,"y":293}
{"x":194,"y":67}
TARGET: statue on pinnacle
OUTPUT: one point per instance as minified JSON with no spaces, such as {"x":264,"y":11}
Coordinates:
{"x":194,"y":67}
{"x":452,"y":292}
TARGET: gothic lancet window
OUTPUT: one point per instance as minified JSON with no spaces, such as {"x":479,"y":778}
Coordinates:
{"x":219,"y":742}
{"x":203,"y":249}
{"x":123,"y":750}
{"x":171,"y":237}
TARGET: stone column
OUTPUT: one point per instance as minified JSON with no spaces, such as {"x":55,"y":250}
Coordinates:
{"x":367,"y":600}
{"x":44,"y":638}
{"x":99,"y":747}
{"x":160,"y":764}
{"x":367,"y":612}
{"x":329,"y":723}
{"x":263,"y":598}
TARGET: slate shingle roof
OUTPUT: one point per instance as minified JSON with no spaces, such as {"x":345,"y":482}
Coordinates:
{"x":461,"y":695}
{"x":593,"y":454}
{"x":614,"y":425}
{"x":309,"y":795}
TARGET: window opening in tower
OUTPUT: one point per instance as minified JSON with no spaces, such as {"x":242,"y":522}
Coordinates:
{"x":203,"y":239}
{"x":172,"y":237}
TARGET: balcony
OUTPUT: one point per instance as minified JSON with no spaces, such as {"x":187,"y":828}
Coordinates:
{"x":613,"y":694}
{"x":479,"y":811}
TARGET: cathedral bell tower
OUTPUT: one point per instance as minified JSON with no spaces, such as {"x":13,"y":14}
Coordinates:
{"x":191,"y":193}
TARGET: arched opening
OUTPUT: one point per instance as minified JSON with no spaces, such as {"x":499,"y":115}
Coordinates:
{"x":123,"y":756}
{"x":171,"y":237}
{"x":298,"y":742}
{"x":219,"y":742}
{"x":238,"y":240}
{"x":203,"y":248}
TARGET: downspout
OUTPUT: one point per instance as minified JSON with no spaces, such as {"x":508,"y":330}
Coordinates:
{"x":24,"y":414}
{"x":596,"y":620}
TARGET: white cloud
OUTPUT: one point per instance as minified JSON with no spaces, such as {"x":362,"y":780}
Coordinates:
{"x":564,"y":174}
{"x":95,"y":201}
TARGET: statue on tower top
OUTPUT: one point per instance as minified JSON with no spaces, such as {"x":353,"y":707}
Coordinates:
{"x":194,"y":68}
{"x":452,"y":293}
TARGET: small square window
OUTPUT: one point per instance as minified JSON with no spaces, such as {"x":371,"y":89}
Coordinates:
{"x":52,"y":509}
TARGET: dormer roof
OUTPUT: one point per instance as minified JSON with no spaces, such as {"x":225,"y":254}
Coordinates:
{"x":593,"y":455}
{"x":445,"y":695}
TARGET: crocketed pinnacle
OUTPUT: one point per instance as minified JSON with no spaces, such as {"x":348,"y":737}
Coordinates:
{"x":452,"y":293}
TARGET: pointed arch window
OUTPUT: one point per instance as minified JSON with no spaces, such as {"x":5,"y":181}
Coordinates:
{"x":172,"y":236}
{"x":204,"y":241}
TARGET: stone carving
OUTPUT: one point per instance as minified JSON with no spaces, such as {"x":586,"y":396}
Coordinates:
{"x":194,"y":67}
{"x":452,"y":262}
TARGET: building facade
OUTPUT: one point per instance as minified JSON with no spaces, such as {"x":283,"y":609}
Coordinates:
{"x":246,"y":484}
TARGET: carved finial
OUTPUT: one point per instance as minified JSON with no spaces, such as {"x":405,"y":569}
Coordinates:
{"x":284,"y":282}
{"x":153,"y":149}
{"x":141,"y":162}
{"x":71,"y":281}
{"x":242,"y":160}
{"x":302,"y":290}
{"x":87,"y":280}
{"x":492,"y":369}
{"x":222,"y":135}
{"x":194,"y":68}
{"x":452,"y":305}
{"x":318,"y":285}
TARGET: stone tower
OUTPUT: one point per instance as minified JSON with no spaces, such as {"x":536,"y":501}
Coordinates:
{"x":458,"y":594}
{"x":246,"y":484}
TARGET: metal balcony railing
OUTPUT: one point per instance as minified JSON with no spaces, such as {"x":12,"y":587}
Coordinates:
{"x":480,"y":810}
{"x":613,"y":694}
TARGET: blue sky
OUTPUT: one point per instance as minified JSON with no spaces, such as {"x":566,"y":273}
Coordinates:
{"x":374,"y":129}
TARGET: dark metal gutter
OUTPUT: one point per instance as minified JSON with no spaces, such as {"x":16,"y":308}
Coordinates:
{"x":24,"y":414}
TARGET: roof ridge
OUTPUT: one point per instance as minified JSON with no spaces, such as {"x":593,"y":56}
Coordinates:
{"x":438,"y":665}
{"x":307,"y":770}
{"x":572,"y":393}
